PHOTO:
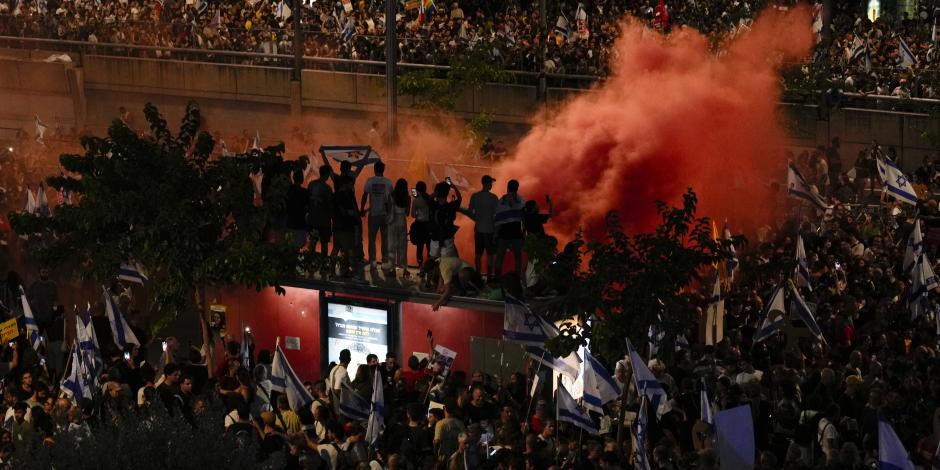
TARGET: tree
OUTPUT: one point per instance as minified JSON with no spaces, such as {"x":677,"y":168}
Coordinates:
{"x":468,"y":71}
{"x":633,"y":282}
{"x":189,"y":219}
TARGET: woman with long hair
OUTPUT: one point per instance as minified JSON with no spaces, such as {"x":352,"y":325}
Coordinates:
{"x":398,"y":226}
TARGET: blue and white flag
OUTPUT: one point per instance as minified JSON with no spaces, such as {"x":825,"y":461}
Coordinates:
{"x":282,"y":10}
{"x":798,"y":187}
{"x":32,"y":328}
{"x":353,"y":405}
{"x":906,"y":57}
{"x":77,"y":384}
{"x":891,"y":452}
{"x":915,"y":246}
{"x":88,"y":347}
{"x":377,"y":414}
{"x":570,"y":412}
{"x":246,"y":347}
{"x":734,"y":430}
{"x":896,"y":184}
{"x":801,"y":275}
{"x":640,"y":425}
{"x":348,"y":31}
{"x":357,"y":155}
{"x":923,"y":280}
{"x":799,"y":309}
{"x":40,"y":130}
{"x":42,"y":202}
{"x":732,"y":262}
{"x":132,"y":271}
{"x":715,"y":316}
{"x":522,"y":325}
{"x":646,"y":381}
{"x":774,"y":316}
{"x":284,"y":380}
{"x":599,"y":386}
{"x":31,"y":206}
{"x":705,"y":405}
{"x":123,"y":335}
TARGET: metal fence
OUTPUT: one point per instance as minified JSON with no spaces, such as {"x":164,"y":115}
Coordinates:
{"x":77,"y":50}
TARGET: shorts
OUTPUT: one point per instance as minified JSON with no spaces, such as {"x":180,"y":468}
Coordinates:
{"x":435,"y":251}
{"x":484,"y":242}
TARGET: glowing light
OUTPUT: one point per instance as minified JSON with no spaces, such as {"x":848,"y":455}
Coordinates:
{"x":874,"y":9}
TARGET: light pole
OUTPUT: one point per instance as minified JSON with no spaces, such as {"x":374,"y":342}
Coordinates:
{"x":391,"y":58}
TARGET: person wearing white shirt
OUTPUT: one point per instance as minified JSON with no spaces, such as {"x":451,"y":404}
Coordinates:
{"x":338,"y":378}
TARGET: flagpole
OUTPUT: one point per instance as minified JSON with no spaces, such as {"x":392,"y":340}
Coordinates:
{"x":528,"y":408}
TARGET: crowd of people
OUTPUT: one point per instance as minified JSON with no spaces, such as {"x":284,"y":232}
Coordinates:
{"x":577,"y":38}
{"x":328,"y":216}
{"x":814,"y":403}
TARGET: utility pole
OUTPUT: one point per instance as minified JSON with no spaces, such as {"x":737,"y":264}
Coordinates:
{"x":296,"y":12}
{"x":543,"y":27}
{"x":391,"y":77}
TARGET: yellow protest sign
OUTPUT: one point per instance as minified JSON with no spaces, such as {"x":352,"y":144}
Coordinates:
{"x":9,"y":330}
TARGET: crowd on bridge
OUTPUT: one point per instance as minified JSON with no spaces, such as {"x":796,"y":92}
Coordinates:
{"x":577,"y":36}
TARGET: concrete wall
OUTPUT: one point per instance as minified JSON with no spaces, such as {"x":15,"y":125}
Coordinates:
{"x":92,"y":88}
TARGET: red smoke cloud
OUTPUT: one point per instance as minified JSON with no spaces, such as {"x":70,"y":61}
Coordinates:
{"x":671,"y":116}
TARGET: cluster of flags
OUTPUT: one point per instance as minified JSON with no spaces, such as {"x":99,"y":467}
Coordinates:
{"x":775,"y":313}
{"x":37,"y":203}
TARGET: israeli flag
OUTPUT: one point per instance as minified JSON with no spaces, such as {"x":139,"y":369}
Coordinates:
{"x":377,"y":414}
{"x":284,"y":380}
{"x":31,"y":205}
{"x":891,"y":453}
{"x":646,"y":381}
{"x":906,"y":57}
{"x":923,"y":280}
{"x":799,"y":309}
{"x":801,"y":273}
{"x":798,"y":187}
{"x":357,"y":155}
{"x":132,"y":271}
{"x":348,"y":31}
{"x":123,"y":335}
{"x":353,"y":405}
{"x":896,"y":184}
{"x":599,"y":386}
{"x":774,"y":316}
{"x":732,"y":261}
{"x":915,"y":246}
{"x":562,"y":26}
{"x":522,"y":325}
{"x":88,"y":347}
{"x":857,"y":52}
{"x":40,"y":130}
{"x":42,"y":202}
{"x":715,"y":316}
{"x":705,"y":404}
{"x":32,"y":328}
{"x":570,"y":412}
{"x":640,"y":425}
{"x":76,"y":385}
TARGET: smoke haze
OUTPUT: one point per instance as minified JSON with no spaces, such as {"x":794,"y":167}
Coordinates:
{"x":672,"y":115}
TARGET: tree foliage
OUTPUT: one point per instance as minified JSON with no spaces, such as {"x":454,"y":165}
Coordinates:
{"x":189,"y":219}
{"x":633,"y":282}
{"x":468,"y":71}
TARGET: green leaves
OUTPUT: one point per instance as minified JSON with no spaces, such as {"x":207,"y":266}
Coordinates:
{"x":190,"y":221}
{"x":633,"y":282}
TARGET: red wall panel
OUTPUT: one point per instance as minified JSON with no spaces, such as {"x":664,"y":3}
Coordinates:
{"x":298,"y":314}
